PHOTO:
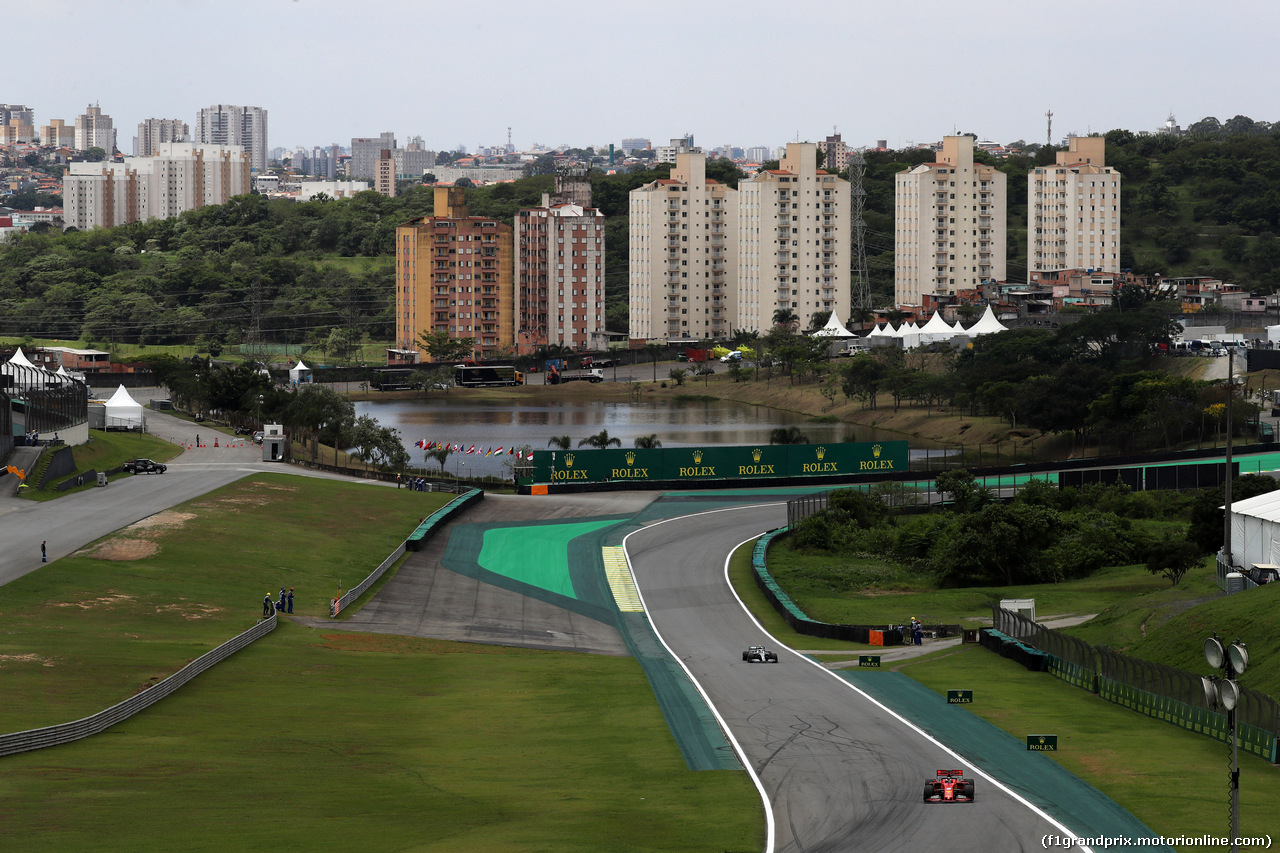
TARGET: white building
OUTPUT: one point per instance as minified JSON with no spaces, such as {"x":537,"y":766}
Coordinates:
{"x":181,"y":176}
{"x":307,"y":190}
{"x":949,"y":225}
{"x":1073,"y":211}
{"x":792,"y":242}
{"x":668,"y":153}
{"x":365,"y":153}
{"x":95,"y":130}
{"x":228,"y":124}
{"x":155,"y":131}
{"x":683,"y":230}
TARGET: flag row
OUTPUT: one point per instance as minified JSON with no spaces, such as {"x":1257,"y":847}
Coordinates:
{"x":423,"y":444}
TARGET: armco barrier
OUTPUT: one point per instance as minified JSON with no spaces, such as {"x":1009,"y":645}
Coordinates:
{"x":92,"y":725}
{"x":419,"y":537}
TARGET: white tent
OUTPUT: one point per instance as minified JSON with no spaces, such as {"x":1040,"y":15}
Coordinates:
{"x":910,"y":334}
{"x":122,"y":411}
{"x":833,"y":329}
{"x":1273,"y":333}
{"x":988,"y":325}
{"x":937,"y":329}
{"x":1255,"y":530}
{"x":20,"y":360}
{"x":299,"y":373}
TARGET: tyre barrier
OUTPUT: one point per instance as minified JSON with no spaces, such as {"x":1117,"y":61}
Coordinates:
{"x":61,"y":733}
{"x":1007,"y":647}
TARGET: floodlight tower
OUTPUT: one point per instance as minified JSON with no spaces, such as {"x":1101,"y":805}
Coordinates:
{"x":860,"y":284}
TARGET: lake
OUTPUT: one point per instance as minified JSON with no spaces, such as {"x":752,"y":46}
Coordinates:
{"x":677,"y":424}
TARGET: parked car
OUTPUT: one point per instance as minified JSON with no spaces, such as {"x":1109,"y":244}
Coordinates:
{"x":706,"y":370}
{"x":257,"y":437}
{"x":736,"y":355}
{"x":1264,"y":574}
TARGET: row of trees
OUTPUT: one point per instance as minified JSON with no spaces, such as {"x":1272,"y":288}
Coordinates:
{"x":1043,"y":535}
{"x":311,"y":414}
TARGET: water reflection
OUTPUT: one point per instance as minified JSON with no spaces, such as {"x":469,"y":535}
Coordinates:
{"x":488,"y":426}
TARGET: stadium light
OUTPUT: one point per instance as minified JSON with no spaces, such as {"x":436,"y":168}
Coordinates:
{"x":1223,"y":692}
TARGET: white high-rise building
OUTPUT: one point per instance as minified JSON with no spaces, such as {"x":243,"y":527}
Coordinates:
{"x":792,"y":242}
{"x":949,"y":225}
{"x":95,"y":130}
{"x":1073,"y":211}
{"x":365,"y":153}
{"x":155,"y":131}
{"x":228,"y":124}
{"x":180,"y":176}
{"x":683,"y":265}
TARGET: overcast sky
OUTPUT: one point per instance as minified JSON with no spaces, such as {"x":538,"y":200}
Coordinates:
{"x":741,"y":72}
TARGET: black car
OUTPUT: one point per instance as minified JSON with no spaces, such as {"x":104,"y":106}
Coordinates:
{"x":759,"y":654}
{"x":144,"y":466}
{"x":1264,"y":574}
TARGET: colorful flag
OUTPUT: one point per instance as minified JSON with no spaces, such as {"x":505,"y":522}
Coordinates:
{"x":471,"y":449}
{"x":498,"y":452}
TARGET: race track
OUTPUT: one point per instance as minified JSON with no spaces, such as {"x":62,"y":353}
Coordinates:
{"x":841,"y":772}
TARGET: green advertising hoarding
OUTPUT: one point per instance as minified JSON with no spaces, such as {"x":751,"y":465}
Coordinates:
{"x":719,"y":463}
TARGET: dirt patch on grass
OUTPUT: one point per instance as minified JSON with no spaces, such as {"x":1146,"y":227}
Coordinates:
{"x":161,"y":522}
{"x":123,"y":550}
{"x":101,"y":601}
{"x":190,"y":611}
{"x":27,"y":658}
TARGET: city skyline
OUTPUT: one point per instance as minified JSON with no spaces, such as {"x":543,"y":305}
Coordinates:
{"x":755,"y":77}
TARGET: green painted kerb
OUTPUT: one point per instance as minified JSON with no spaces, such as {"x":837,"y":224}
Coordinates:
{"x":537,"y":554}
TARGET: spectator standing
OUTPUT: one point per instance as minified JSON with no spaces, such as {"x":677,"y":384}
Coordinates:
{"x":290,"y":600}
{"x":44,"y":554}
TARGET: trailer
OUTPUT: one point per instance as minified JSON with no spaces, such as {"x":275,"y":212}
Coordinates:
{"x":486,"y":376}
{"x":556,"y":377}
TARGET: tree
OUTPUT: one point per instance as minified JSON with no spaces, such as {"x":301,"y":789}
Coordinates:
{"x":654,"y":351}
{"x":600,"y":441}
{"x":958,"y":483}
{"x":788,"y":435}
{"x":647,"y":442}
{"x":444,"y":348}
{"x":95,"y":154}
{"x":1172,"y":558}
{"x":429,"y":178}
{"x":563,"y":442}
{"x":440,"y":453}
{"x":785,"y":317}
{"x":677,"y":375}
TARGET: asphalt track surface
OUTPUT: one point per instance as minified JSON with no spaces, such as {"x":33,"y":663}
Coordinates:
{"x":840,"y":771}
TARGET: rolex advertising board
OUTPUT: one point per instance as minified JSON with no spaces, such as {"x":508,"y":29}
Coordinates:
{"x":746,"y":462}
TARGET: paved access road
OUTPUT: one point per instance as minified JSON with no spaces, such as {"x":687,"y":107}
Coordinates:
{"x":839,"y":771}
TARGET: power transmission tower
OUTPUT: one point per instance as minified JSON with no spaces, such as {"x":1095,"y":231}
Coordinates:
{"x":1048,"y":136}
{"x":859,"y":281}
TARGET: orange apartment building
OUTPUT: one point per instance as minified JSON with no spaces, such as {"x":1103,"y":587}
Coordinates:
{"x":454,"y":274}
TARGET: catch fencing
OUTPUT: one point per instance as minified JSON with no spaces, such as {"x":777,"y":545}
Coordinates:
{"x":67,"y":732}
{"x":1159,"y":691}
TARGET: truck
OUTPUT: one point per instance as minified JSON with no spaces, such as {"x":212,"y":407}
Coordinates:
{"x":596,"y":361}
{"x":591,"y":374}
{"x":486,"y":376}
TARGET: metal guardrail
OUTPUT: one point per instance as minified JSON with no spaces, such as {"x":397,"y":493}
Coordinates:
{"x":419,"y":535}
{"x":61,"y":733}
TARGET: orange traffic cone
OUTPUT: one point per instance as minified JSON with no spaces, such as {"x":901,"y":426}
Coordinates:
{"x":215,"y":442}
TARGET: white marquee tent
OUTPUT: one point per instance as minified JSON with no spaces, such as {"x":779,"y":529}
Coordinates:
{"x":937,"y":329}
{"x":122,"y":411}
{"x":299,"y":373}
{"x":1255,"y":530}
{"x":988,"y":325}
{"x":833,"y":329}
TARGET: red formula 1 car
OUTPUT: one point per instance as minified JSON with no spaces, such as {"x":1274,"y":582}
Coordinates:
{"x":948,"y":787}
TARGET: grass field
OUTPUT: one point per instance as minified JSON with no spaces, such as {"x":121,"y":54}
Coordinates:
{"x":314,"y":739}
